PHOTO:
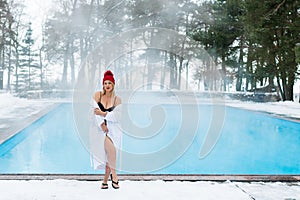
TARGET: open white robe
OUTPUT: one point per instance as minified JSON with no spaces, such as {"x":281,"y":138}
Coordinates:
{"x":97,"y":136}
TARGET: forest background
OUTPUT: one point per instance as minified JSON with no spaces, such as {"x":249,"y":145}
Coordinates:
{"x":253,"y":45}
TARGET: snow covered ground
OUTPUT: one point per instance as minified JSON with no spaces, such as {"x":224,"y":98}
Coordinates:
{"x":147,"y":190}
{"x":287,"y":109}
{"x":13,"y":108}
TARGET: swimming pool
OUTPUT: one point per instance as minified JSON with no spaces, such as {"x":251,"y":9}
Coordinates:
{"x":250,"y":143}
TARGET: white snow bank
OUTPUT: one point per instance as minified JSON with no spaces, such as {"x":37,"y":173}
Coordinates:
{"x":286,"y":109}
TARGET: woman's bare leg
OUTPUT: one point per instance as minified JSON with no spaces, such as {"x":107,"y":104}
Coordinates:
{"x":106,"y":176}
{"x":107,"y":173}
{"x":111,"y":157}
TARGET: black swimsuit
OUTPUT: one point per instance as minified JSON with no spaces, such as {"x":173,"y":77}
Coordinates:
{"x":103,"y":109}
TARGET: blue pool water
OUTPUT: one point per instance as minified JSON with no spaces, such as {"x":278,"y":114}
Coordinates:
{"x":250,"y":143}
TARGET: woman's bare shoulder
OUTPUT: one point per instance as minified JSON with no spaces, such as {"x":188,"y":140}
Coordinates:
{"x":97,"y":95}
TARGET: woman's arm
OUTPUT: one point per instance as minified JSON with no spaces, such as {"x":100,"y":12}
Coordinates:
{"x":98,"y":114}
{"x":97,"y":111}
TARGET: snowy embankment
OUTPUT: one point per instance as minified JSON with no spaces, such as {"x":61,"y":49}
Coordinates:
{"x":15,"y":109}
{"x":287,"y":109}
{"x":16,"y":113}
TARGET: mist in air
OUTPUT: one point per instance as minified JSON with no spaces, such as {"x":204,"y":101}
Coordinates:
{"x":169,"y":59}
{"x":155,"y":67}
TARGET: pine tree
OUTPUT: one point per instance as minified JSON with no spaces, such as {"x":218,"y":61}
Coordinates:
{"x":29,"y":73}
{"x":217,"y":34}
{"x":273,"y":29}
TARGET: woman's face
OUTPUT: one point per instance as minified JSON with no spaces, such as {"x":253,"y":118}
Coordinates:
{"x":108,"y":86}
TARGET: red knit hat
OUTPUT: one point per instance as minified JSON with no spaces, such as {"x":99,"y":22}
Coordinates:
{"x":108,"y":75}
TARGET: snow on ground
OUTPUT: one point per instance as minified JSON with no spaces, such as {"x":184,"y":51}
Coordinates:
{"x":16,"y":109}
{"x":287,"y":109}
{"x":13,"y":108}
{"x":147,"y":190}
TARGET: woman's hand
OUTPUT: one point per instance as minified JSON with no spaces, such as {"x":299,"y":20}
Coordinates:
{"x":104,"y":128}
{"x":97,"y":111}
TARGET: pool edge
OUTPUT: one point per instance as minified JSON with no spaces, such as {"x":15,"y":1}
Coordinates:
{"x":152,"y":177}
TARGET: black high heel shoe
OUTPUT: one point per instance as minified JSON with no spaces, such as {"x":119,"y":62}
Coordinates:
{"x":114,"y":184}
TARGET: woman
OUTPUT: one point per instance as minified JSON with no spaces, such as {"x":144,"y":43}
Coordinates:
{"x":108,"y":110}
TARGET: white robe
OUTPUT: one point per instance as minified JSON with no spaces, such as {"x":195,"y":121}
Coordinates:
{"x":97,"y":136}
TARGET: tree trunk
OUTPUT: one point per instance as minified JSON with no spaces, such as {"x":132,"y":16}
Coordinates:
{"x":163,"y":74}
{"x":240,"y":66}
{"x":283,"y":79}
{"x":172,"y":71}
{"x":279,"y":87}
{"x":187,"y":76}
{"x":65,"y":69}
{"x":179,"y":73}
{"x":16,"y":71}
{"x":9,"y":68}
{"x":149,"y":75}
{"x":249,"y":71}
{"x":224,"y":73}
{"x":175,"y":72}
{"x":29,"y":66}
{"x":72,"y":64}
{"x":41,"y":68}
